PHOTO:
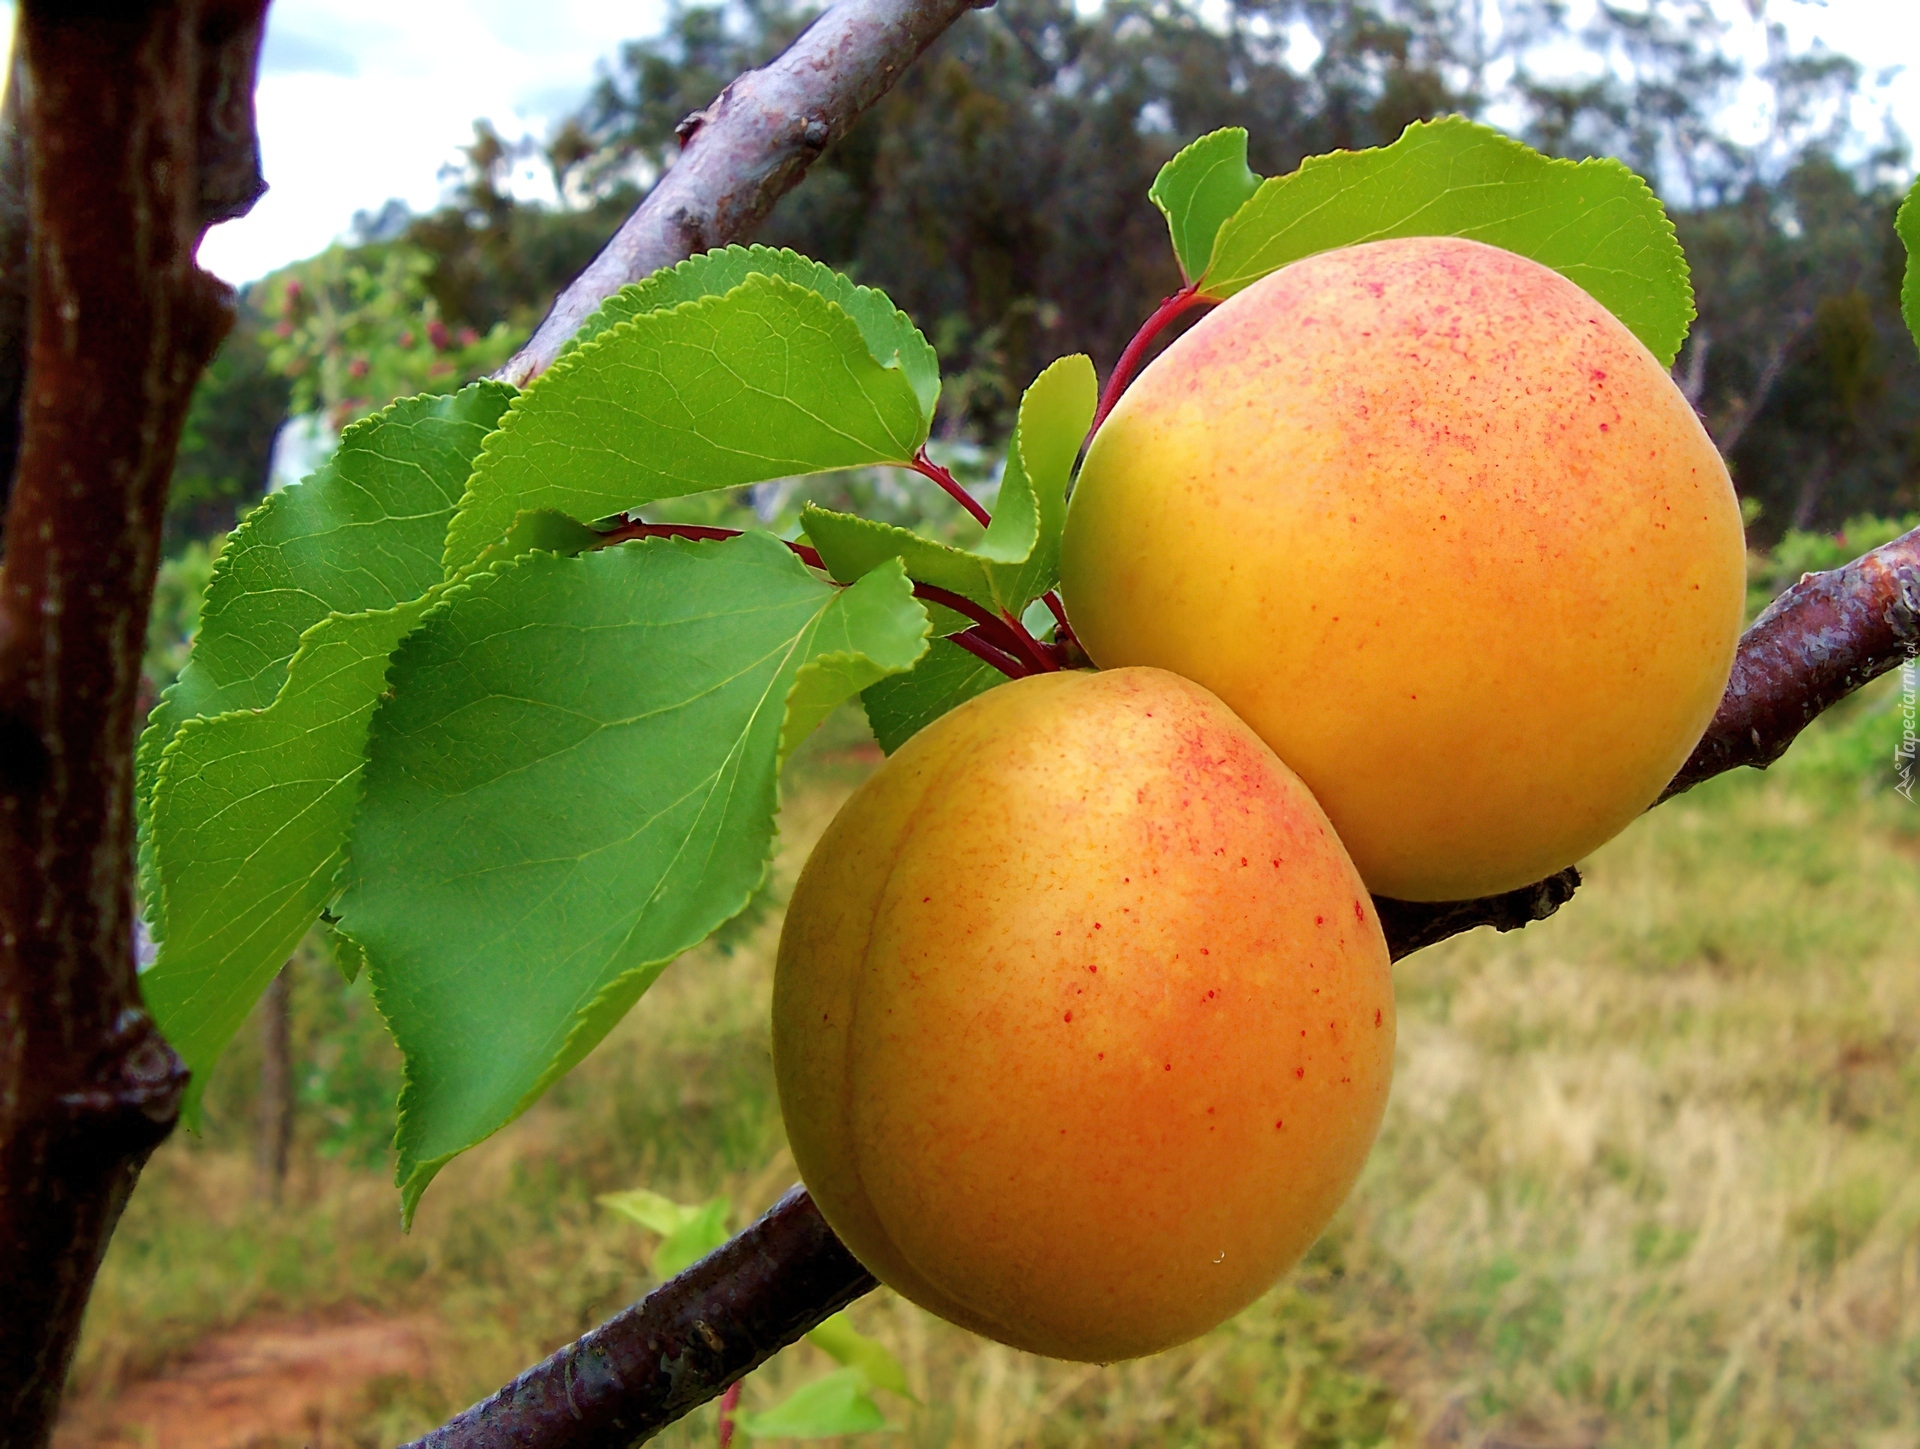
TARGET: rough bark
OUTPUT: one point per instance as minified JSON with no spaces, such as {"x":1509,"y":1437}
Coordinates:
{"x":227,"y":157}
{"x":747,"y":149}
{"x":119,"y":323}
{"x":680,"y":1346}
{"x":1817,"y":643}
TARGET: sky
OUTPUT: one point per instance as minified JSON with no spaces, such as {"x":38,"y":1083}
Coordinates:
{"x":365,"y":100}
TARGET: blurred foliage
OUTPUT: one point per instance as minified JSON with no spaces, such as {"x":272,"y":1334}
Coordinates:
{"x":226,"y":443}
{"x":175,"y":616}
{"x":1772,"y":572}
{"x":353,"y":329}
{"x":998,"y":194}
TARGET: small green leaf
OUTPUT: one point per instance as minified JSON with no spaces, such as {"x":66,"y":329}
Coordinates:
{"x":1055,"y":412}
{"x":364,"y":533}
{"x":900,"y":707}
{"x":1907,"y":223}
{"x":836,"y":1404}
{"x":851,"y":547}
{"x":347,"y":956}
{"x":1199,"y":189}
{"x":845,"y":1344}
{"x":687,"y":1234}
{"x":1019,"y":558}
{"x":768,"y":381}
{"x":571,"y":782}
{"x":1593,"y":221}
{"x":891,"y":338}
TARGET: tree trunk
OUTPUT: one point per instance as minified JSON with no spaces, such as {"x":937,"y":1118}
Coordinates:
{"x":123,"y":107}
{"x":276,"y":1084}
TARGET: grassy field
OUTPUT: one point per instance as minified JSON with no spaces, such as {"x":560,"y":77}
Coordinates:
{"x":1649,"y":1176}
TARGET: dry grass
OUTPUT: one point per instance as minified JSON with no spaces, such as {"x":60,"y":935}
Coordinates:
{"x":1648,"y":1178}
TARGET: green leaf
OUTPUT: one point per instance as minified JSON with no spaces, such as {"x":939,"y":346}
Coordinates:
{"x":900,"y":707}
{"x":1019,"y":558}
{"x":1907,"y":223}
{"x":836,"y":1404}
{"x":891,"y":338}
{"x":365,"y":533}
{"x":250,"y":811}
{"x":250,"y":818}
{"x":851,"y":547}
{"x":571,"y":782}
{"x":1199,"y":189}
{"x":847,"y":1345}
{"x":1593,"y":221}
{"x":1055,"y":412}
{"x":347,"y":956}
{"x":768,"y":381}
{"x":687,"y":1234}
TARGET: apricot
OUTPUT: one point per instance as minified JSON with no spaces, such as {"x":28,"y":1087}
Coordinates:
{"x":1444,"y":533}
{"x":1082,"y":1020}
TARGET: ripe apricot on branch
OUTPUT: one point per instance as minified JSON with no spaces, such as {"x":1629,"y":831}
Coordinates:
{"x":1082,"y":1020}
{"x":1444,"y":533}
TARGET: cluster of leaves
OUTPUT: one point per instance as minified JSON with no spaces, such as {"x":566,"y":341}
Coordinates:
{"x":839,"y":1403}
{"x":524,"y":763}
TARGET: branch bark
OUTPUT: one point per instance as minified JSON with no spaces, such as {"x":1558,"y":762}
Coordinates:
{"x":680,"y":1346}
{"x":747,"y":149}
{"x":689,"y":1339}
{"x":228,"y":178}
{"x":118,"y":107}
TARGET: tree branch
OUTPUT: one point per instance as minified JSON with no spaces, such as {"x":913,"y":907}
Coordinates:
{"x":1817,"y":643}
{"x":747,"y":149}
{"x":678,"y":1347}
{"x":1821,"y":640}
{"x":119,"y":323}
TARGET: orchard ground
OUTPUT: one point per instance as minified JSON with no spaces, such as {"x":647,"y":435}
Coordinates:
{"x":1650,"y":1176}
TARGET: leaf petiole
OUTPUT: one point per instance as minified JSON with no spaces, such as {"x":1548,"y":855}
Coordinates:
{"x":1016,"y":652}
{"x":927,"y":468}
{"x":971,"y":641}
{"x":1181,"y":302}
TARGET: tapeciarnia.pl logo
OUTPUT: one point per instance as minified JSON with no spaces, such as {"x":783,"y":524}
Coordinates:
{"x":1903,"y":753}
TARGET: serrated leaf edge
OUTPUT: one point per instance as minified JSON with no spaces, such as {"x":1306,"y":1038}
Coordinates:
{"x":692,"y":263}
{"x":582,"y":356}
{"x":1664,"y":233}
{"x":413,"y":1177}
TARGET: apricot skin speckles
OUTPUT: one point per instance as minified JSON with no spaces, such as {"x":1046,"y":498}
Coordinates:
{"x":928,"y":1087}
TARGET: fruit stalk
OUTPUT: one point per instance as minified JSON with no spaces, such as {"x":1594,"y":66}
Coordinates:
{"x":1174,"y":307}
{"x":927,"y":468}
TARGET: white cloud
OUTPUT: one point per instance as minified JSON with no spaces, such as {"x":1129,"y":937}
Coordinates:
{"x":363,"y":100}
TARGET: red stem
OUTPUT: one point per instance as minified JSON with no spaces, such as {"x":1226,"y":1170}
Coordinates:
{"x":636,"y":528}
{"x":1002,"y":630}
{"x":971,"y":641}
{"x":1182,"y":301}
{"x":927,"y":468}
{"x":729,"y":1402}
